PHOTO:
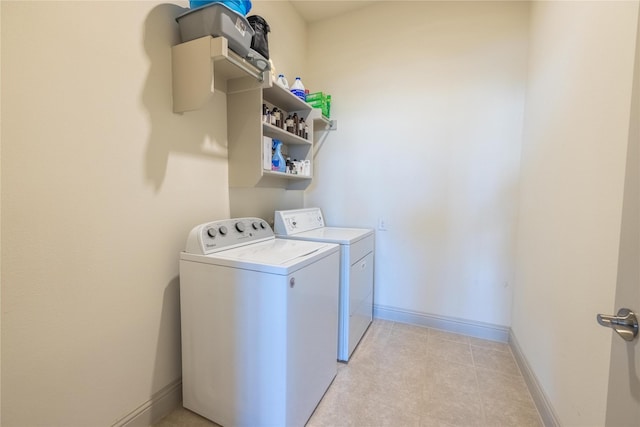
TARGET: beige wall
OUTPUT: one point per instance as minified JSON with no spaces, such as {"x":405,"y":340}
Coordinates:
{"x":573,"y":163}
{"x":429,"y":98}
{"x":101,"y":183}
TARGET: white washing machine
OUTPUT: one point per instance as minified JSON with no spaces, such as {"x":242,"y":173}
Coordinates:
{"x":356,"y":269}
{"x":259,"y":324}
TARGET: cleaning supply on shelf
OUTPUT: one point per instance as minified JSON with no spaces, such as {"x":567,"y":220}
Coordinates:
{"x":267,"y":155}
{"x":303,"y":129}
{"x":278,"y":163}
{"x":297,"y":88}
{"x":320,"y":100}
{"x":282,"y":81}
{"x":289,"y":123}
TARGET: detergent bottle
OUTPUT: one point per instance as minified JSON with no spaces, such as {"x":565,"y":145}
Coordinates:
{"x":297,"y":88}
{"x":278,"y":164}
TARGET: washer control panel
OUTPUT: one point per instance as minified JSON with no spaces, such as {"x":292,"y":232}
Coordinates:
{"x":226,"y":234}
{"x":298,"y":220}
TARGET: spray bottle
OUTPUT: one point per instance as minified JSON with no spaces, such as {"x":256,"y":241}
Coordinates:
{"x":278,"y":164}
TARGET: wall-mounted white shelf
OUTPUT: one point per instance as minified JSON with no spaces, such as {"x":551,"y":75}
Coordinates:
{"x":287,"y":175}
{"x":246,"y":129}
{"x":206,"y":64}
{"x":284,"y":99}
{"x":283,"y":135}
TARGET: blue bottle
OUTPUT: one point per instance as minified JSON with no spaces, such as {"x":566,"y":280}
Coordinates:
{"x":278,"y":163}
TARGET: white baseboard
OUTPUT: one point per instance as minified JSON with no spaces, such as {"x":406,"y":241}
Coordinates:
{"x":161,"y":404}
{"x":484,"y":331}
{"x":450,"y":324}
{"x":545,"y":409}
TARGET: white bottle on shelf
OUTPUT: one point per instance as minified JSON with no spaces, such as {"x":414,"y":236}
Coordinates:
{"x":298,"y":89}
{"x":282,"y":81}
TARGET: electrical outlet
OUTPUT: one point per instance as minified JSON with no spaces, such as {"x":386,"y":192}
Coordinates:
{"x":382,"y":224}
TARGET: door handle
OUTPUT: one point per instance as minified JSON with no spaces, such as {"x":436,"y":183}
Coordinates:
{"x":625,"y":323}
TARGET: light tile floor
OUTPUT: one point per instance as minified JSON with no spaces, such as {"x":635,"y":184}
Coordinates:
{"x":403,"y":375}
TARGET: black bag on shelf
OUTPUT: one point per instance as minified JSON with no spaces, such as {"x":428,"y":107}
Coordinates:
{"x":259,"y":42}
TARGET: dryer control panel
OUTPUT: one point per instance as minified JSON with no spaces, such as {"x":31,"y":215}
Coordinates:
{"x":297,"y":220}
{"x":215,"y":236}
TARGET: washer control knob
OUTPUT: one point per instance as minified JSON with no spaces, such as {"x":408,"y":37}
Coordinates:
{"x":211,"y":232}
{"x":255,"y":225}
{"x":223,"y":230}
{"x":240,"y":226}
{"x":263,"y":225}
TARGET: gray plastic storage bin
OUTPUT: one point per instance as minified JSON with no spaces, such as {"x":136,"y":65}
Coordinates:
{"x":217,"y":20}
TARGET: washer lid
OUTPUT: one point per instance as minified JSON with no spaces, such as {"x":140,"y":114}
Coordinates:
{"x":343,"y":236}
{"x":276,"y":256}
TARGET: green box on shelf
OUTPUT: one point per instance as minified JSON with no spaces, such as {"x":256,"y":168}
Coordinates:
{"x":323,"y":102}
{"x":316,"y":104}
{"x":328,"y":105}
{"x":316,"y":96}
{"x":326,"y":110}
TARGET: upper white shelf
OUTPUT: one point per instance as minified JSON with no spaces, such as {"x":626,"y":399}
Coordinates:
{"x":284,"y":99}
{"x":203,"y":65}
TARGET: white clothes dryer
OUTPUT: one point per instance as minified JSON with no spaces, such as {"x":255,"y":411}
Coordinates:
{"x":259,"y":324}
{"x":356,"y":269}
